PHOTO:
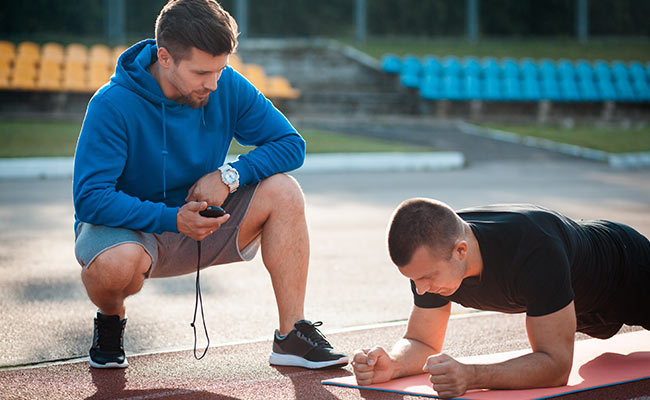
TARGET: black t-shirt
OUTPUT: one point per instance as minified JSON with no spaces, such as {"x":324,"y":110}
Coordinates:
{"x":537,"y":261}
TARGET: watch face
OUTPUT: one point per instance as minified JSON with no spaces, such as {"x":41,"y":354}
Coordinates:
{"x":230,"y":176}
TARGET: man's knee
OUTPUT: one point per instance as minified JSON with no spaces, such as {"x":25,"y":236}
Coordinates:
{"x":117,"y":268}
{"x":284,"y":190}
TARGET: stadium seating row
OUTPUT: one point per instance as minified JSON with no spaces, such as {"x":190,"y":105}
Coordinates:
{"x":77,"y":68}
{"x":451,"y":78}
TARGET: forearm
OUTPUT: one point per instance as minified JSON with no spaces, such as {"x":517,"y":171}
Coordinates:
{"x":529,"y":371}
{"x":409,"y":356}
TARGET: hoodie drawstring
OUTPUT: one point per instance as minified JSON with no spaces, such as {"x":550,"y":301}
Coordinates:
{"x":164,"y":151}
{"x":203,"y":115}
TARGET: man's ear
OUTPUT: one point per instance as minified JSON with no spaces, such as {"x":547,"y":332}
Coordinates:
{"x":164,"y":58}
{"x":460,"y":250}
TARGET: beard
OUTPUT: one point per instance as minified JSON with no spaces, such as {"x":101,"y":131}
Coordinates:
{"x":193,"y":102}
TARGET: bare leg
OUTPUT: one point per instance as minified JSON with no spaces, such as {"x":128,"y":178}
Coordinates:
{"x":114,"y":275}
{"x":278,"y":213}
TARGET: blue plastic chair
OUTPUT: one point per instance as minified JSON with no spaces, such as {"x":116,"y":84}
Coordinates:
{"x":451,"y":67}
{"x":566,"y":70}
{"x":642,"y":90}
{"x":471,"y":67}
{"x":492,"y":88}
{"x":529,"y":69}
{"x":606,"y":89}
{"x":624,"y":91}
{"x":637,"y":71}
{"x":471,"y":87}
{"x":584,"y":71}
{"x":620,"y":71}
{"x":569,"y":90}
{"x":512,"y":89}
{"x":410,"y":73}
{"x":490,"y":67}
{"x":531,"y":90}
{"x":550,"y":89}
{"x":430,"y":87}
{"x":451,"y":88}
{"x":510,"y":68}
{"x":602,"y":70}
{"x":431,"y":66}
{"x":587,"y":89}
{"x":548,"y":70}
{"x":390,"y":63}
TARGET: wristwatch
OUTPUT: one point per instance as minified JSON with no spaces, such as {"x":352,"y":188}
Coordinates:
{"x":230,"y":177}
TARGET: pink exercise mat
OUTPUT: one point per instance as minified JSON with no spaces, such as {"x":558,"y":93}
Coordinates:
{"x":596,"y":363}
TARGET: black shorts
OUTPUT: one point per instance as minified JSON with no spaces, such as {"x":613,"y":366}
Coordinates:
{"x":630,"y":303}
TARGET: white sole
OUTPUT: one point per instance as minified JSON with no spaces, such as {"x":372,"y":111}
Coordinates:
{"x":108,"y":365}
{"x":290,"y":360}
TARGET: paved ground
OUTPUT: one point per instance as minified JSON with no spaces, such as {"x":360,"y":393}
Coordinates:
{"x":46,"y":316}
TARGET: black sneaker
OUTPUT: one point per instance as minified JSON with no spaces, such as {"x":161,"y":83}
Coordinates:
{"x":305,"y":346}
{"x":108,"y":349}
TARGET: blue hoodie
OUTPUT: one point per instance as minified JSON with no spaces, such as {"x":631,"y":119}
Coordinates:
{"x":139,"y":152}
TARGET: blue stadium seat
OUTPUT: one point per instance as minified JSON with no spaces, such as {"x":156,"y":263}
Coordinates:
{"x":510,"y":68}
{"x":410,"y":73}
{"x":620,"y":71}
{"x":410,"y":80}
{"x":569,"y":90}
{"x":451,"y":88}
{"x":512,"y":89}
{"x":451,"y":67}
{"x":547,"y":69}
{"x":529,"y":69}
{"x":550,"y":89}
{"x":471,"y":67}
{"x":585,"y":71}
{"x":531,"y":89}
{"x":492,"y":88}
{"x":606,"y":90}
{"x":587,"y":89}
{"x":602,"y":70}
{"x":637,"y":71}
{"x":624,"y":91}
{"x":490,"y":67}
{"x":471,"y":87}
{"x":642,"y":90}
{"x":566,"y":70}
{"x":390,"y":63}
{"x":430,"y":87}
{"x":431,"y":66}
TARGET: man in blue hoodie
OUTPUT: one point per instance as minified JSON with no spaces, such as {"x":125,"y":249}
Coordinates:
{"x":151,"y":157}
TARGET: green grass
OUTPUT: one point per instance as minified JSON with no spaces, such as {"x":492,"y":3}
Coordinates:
{"x":608,"y":49}
{"x":58,"y":139}
{"x":613,"y":140}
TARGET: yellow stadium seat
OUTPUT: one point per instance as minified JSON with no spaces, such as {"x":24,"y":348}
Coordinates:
{"x":23,"y":79}
{"x":256,"y":75}
{"x":52,"y":52}
{"x":76,"y":52}
{"x":74,"y":75}
{"x":7,"y":50}
{"x":5,"y":67}
{"x":117,"y":51}
{"x":235,"y":61}
{"x":28,"y":51}
{"x":98,"y":75}
{"x":49,"y":75}
{"x":99,"y":54}
{"x":280,"y":88}
{"x":4,"y":82}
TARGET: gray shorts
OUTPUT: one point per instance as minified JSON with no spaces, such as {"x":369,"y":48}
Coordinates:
{"x":174,"y":254}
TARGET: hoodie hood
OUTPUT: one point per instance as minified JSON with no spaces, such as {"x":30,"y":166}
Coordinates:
{"x":132,"y":72}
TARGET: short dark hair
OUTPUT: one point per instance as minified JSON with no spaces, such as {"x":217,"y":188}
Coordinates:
{"x":422,"y":222}
{"x":203,"y":24}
